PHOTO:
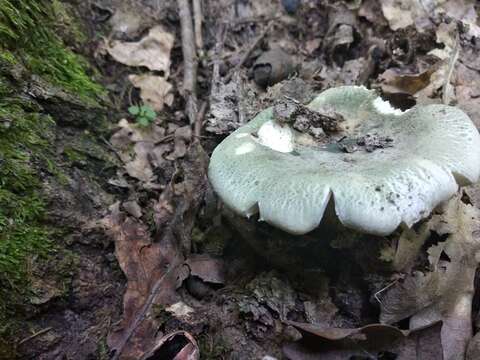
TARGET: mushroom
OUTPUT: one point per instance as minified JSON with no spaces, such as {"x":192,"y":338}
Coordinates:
{"x":381,"y":167}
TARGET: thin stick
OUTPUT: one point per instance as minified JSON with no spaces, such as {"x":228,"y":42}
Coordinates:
{"x":190,"y":61}
{"x":451,"y":66}
{"x":241,"y":113}
{"x":220,"y":40}
{"x":197,"y":130}
{"x":38,"y":333}
{"x":382,"y":290}
{"x":111,"y":147}
{"x":197,"y":22}
{"x":249,"y":51}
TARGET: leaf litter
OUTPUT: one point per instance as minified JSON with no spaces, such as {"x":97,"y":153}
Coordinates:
{"x":155,"y":265}
{"x":435,"y":296}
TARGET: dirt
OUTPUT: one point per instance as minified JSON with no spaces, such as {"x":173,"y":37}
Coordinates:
{"x":137,"y":210}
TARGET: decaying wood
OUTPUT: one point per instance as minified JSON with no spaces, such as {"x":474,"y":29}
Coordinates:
{"x":197,"y":21}
{"x":190,"y":60}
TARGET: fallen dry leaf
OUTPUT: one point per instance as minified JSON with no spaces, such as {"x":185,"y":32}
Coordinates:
{"x":151,"y":269}
{"x":129,"y":133}
{"x":126,"y":21}
{"x":179,"y":310}
{"x":154,"y":90}
{"x":155,"y":269}
{"x":139,"y":168}
{"x":179,"y":345}
{"x":464,"y":11}
{"x":152,"y":51}
{"x":445,"y":293}
{"x":395,"y":80}
{"x":473,"y":350}
{"x":408,"y":247}
{"x":340,"y":35}
{"x":422,"y":344}
{"x":140,"y":150}
{"x":467,"y":91}
{"x":132,"y":208}
{"x":207,"y":268}
{"x":336,"y":343}
{"x":401,"y":14}
{"x":182,"y":136}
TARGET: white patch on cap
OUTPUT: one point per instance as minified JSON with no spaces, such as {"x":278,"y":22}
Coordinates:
{"x":384,"y":107}
{"x":244,"y":148}
{"x":276,"y":137}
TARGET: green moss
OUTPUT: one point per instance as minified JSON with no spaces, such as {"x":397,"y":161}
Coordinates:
{"x":29,"y":45}
{"x":73,"y":155}
{"x":103,"y":352}
{"x":67,"y":24}
{"x":27,"y":28}
{"x":22,"y":231}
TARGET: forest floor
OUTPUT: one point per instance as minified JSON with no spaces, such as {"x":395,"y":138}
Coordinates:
{"x":151,"y":266}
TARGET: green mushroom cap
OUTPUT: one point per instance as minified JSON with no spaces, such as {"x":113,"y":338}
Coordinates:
{"x":264,"y":167}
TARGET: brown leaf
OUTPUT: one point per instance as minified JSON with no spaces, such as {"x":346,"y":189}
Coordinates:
{"x":396,"y":81}
{"x":147,"y":149}
{"x":179,"y":345}
{"x":126,"y":21}
{"x":468,"y":92}
{"x":151,"y":272}
{"x":340,"y":35}
{"x":424,"y":344}
{"x":473,"y":350}
{"x":300,"y":351}
{"x":445,"y":293}
{"x":155,"y":269}
{"x":153,"y":51}
{"x":336,"y":343}
{"x":207,"y":268}
{"x":139,"y":167}
{"x":373,"y":335}
{"x":132,"y":208}
{"x":182,"y":135}
{"x":129,"y":133}
{"x":154,"y":90}
{"x":408,"y":247}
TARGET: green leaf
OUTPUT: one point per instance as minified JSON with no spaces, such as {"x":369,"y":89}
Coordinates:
{"x":143,"y":121}
{"x":150,"y":113}
{"x":134,"y":110}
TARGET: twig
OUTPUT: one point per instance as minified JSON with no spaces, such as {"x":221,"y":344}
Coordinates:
{"x":249,"y":51}
{"x":38,"y":333}
{"x":388,"y":286}
{"x":197,"y":21}
{"x":111,"y":147}
{"x":220,"y":40}
{"x":253,"y":19}
{"x":241,"y":113}
{"x":197,"y":130}
{"x":190,"y":61}
{"x":451,"y":66}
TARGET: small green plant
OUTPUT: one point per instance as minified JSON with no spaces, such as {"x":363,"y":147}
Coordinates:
{"x":144,"y":114}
